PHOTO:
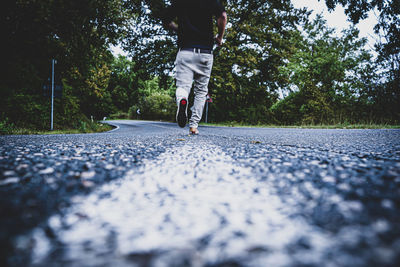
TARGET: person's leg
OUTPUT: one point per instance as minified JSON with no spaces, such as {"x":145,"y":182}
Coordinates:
{"x":201,"y":77}
{"x":184,"y":80}
{"x":184,"y":74}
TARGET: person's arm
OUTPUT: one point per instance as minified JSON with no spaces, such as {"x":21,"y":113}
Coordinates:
{"x":221,"y":23}
{"x":172,"y":26}
{"x":168,"y":18}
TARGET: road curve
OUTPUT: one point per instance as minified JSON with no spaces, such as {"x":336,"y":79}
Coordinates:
{"x":148,"y":194}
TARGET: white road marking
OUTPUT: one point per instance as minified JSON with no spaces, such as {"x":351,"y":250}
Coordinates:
{"x":188,"y":194}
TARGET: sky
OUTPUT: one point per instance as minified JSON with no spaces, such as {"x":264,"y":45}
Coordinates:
{"x":335,"y":19}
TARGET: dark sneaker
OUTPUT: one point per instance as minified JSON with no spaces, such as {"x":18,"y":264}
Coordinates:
{"x":181,"y":114}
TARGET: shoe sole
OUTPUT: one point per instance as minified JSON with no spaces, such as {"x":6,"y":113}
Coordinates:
{"x":181,"y":117}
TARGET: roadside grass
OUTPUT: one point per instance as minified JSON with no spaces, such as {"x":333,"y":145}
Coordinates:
{"x":89,"y":127}
{"x":118,"y":116}
{"x":319,"y":126}
{"x":304,"y":126}
{"x":83,"y":128}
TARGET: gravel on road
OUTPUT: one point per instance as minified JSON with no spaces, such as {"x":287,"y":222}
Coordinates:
{"x":147,"y":194}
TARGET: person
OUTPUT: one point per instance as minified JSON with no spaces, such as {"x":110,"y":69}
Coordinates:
{"x":194,"y":59}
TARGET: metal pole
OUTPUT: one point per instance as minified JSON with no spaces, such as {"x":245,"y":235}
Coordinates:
{"x":52,"y":92}
{"x":206,"y":112}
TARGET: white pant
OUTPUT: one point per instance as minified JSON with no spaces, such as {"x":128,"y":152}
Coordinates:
{"x":193,"y":66}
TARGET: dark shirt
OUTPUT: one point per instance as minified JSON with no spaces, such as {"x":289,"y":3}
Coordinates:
{"x":195,"y":21}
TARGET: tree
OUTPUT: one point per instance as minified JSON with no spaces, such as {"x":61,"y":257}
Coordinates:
{"x":325,"y":73}
{"x":76,"y":33}
{"x":123,"y":83}
{"x":388,"y":47}
{"x":245,"y":76}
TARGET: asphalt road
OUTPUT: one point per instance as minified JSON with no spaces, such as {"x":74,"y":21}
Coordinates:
{"x":148,"y":194}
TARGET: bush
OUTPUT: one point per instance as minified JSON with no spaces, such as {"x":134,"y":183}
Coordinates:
{"x":132,"y":112}
{"x":6,"y":127}
{"x":67,"y":110}
{"x":156,"y":106}
{"x":287,"y":110}
{"x":119,"y":116}
{"x":87,"y":126}
{"x":28,"y":111}
{"x":256,"y":114}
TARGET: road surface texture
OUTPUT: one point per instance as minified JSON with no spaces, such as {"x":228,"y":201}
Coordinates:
{"x":147,"y":194}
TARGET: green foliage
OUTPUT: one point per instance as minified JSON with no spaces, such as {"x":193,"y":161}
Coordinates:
{"x":386,"y":95}
{"x":123,"y":83}
{"x":28,"y":111}
{"x":153,"y":96}
{"x":78,"y":35}
{"x":328,"y":79}
{"x":149,"y":87}
{"x":286,"y":111}
{"x":6,"y":127}
{"x":157,"y":106}
{"x":87,"y":126}
{"x":133,"y":112}
{"x":245,"y":77}
{"x":119,"y":116}
{"x":67,"y":111}
{"x":328,"y":76}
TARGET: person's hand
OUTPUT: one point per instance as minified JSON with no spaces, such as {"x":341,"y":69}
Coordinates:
{"x":219,"y":40}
